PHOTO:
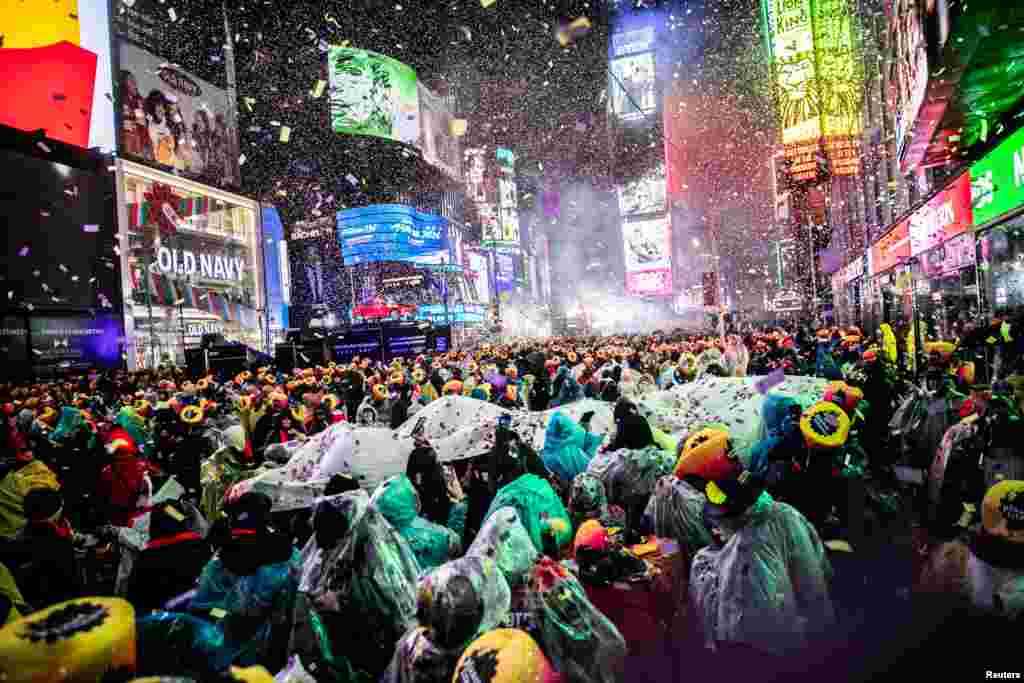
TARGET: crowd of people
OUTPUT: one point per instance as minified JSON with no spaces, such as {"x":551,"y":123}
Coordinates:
{"x":636,"y":533}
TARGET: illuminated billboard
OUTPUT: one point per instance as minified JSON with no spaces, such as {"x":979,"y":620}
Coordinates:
{"x":633,"y":96}
{"x":648,"y":248}
{"x":374,"y":95}
{"x":817,"y":77}
{"x":55,"y":58}
{"x":506,"y":233}
{"x":389,"y":232}
{"x":440,"y":148}
{"x":644,"y":195}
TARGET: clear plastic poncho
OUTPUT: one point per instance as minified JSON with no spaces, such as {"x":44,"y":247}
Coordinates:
{"x":568,"y":447}
{"x":365,"y":593}
{"x":767,"y":586}
{"x":676,"y":511}
{"x":538,"y":506}
{"x":629,"y":474}
{"x":458,"y":601}
{"x":432,"y":544}
{"x":504,"y":539}
{"x":583,"y":644}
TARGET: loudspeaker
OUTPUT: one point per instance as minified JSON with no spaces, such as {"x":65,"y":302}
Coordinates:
{"x":284,"y":357}
{"x":195,"y":361}
{"x":227,"y":361}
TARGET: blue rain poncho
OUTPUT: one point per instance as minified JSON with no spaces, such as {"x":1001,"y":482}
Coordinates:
{"x":432,"y":544}
{"x":539,"y":509}
{"x":568,"y":447}
{"x":767,"y":586}
{"x":569,"y":389}
{"x":249,"y":616}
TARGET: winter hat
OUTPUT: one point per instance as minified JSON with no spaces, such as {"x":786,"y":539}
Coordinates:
{"x":825,"y":426}
{"x":591,"y":535}
{"x":123,"y":442}
{"x":731,"y":497}
{"x":504,"y":655}
{"x":707,"y":454}
{"x":250,"y":511}
{"x":1002,"y":511}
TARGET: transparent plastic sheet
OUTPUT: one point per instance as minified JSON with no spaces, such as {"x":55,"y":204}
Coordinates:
{"x":733,"y":402}
{"x":132,"y":540}
{"x":767,"y":587}
{"x":537,"y":505}
{"x":70,"y":422}
{"x":629,"y":474}
{"x":311,"y":641}
{"x":366,"y":592}
{"x":217,"y":475}
{"x":418,"y":659}
{"x":568,"y":447}
{"x":504,"y":539}
{"x":432,"y":544}
{"x":457,"y":427}
{"x":676,"y":511}
{"x":582,"y":644}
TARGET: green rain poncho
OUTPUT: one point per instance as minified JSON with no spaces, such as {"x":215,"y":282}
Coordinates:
{"x":539,"y":509}
{"x":433,"y":544}
{"x":568,"y":447}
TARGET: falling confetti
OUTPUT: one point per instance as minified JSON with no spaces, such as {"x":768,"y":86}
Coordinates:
{"x":23,"y":252}
{"x":90,"y":227}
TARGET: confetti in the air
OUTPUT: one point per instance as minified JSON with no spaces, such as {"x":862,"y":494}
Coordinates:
{"x":23,"y":252}
{"x":286,"y":134}
{"x":43,"y":146}
{"x":90,"y":227}
{"x":318,"y":89}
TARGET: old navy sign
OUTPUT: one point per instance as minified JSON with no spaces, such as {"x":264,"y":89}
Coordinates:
{"x":204,"y":266}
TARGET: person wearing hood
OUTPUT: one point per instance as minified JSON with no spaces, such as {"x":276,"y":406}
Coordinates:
{"x":21,"y":474}
{"x":434,"y":484}
{"x":283,"y":430}
{"x":432,"y":544}
{"x":505,"y":540}
{"x":48,"y":569}
{"x":456,"y":603}
{"x":125,"y":483}
{"x":569,"y":446}
{"x":229,"y":465}
{"x":761,"y":589}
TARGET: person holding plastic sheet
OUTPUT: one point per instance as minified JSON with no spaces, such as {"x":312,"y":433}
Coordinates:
{"x":760,"y":590}
{"x":43,"y":556}
{"x":433,"y":544}
{"x":505,"y":540}
{"x":231,"y":464}
{"x":568,"y":446}
{"x":631,"y":466}
{"x":440,"y":494}
{"x":358,"y":587}
{"x":457,"y":602}
{"x":588,"y":500}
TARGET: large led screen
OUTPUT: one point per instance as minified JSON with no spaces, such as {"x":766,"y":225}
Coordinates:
{"x":374,"y":95}
{"x":59,"y":236}
{"x":632,"y":87}
{"x":479,"y":276}
{"x":439,"y":147}
{"x":389,"y":232}
{"x":77,"y":342}
{"x":55,"y":60}
{"x":172,"y":118}
{"x":278,"y":274}
{"x":647,"y":244}
{"x":644,"y":195}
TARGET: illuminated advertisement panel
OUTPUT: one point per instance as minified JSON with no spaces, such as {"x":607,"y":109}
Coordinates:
{"x":479,"y":276}
{"x":389,"y":232}
{"x":945,"y":216}
{"x":818,"y":80}
{"x":440,"y":148}
{"x":633,"y":96}
{"x":372,"y":94}
{"x":55,"y":58}
{"x":648,"y":248}
{"x":644,"y":195}
{"x":892,"y":249}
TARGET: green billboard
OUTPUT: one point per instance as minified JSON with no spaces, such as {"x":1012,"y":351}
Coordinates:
{"x":997,"y":181}
{"x":372,"y":94}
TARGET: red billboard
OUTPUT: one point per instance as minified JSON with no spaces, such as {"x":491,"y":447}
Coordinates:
{"x":893,"y":248}
{"x":945,"y":216}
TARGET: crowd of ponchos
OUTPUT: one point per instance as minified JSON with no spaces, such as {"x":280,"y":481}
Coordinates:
{"x":501,"y":562}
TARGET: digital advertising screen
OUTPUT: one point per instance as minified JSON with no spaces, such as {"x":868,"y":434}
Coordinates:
{"x":439,"y":147}
{"x":356,"y":343}
{"x":505,"y":271}
{"x":77,"y":342}
{"x":649,"y":283}
{"x":389,"y":232}
{"x":175,"y":119}
{"x":277,"y":269}
{"x":647,"y":244}
{"x":479,"y":276}
{"x":59,"y":236}
{"x":371,"y":94}
{"x":644,"y":195}
{"x":490,"y":223}
{"x":631,"y":86}
{"x":55,"y":59}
